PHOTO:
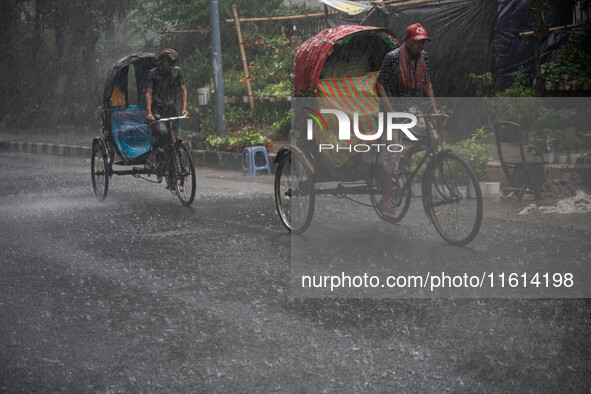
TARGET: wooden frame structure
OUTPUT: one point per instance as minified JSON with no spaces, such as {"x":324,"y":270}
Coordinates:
{"x":522,"y":176}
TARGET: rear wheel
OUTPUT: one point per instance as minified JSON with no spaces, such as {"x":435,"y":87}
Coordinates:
{"x":294,"y":194}
{"x":184,"y":175}
{"x":98,"y":171}
{"x":456,"y":216}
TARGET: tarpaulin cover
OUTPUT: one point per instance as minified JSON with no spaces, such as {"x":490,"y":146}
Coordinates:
{"x":130,"y":132}
{"x":117,"y":75}
{"x":475,"y":36}
{"x":126,"y":123}
{"x":313,"y":53}
{"x":461,"y":34}
{"x":348,"y":7}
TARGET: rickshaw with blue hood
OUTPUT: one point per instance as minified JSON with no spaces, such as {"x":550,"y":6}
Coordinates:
{"x":128,"y":137}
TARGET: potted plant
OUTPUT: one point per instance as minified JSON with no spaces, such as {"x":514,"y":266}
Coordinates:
{"x":561,"y":151}
{"x":574,"y":145}
{"x":536,"y":148}
{"x":250,"y":136}
{"x":269,"y":146}
{"x":548,"y":152}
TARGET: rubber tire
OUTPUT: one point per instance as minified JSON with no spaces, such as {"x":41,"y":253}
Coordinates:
{"x":183,"y":153}
{"x":450,"y":160}
{"x":282,"y":175}
{"x":100,"y":177}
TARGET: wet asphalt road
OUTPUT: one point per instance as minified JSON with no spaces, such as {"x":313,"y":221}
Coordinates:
{"x":141,"y":294}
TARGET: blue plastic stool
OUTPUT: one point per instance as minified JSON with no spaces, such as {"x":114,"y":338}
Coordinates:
{"x":258,"y":159}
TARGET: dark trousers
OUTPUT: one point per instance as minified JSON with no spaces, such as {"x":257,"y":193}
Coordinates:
{"x":159,"y":135}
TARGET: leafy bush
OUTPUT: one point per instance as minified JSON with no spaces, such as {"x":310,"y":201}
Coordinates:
{"x":572,"y":144}
{"x":269,"y":113}
{"x":213,"y":142}
{"x":201,"y":136}
{"x":416,"y":159}
{"x":522,"y":87}
{"x":279,"y":89}
{"x":280,"y":129}
{"x":207,"y":121}
{"x":483,"y":83}
{"x":476,"y":151}
{"x":555,"y":118}
{"x":234,"y":83}
{"x":536,"y":147}
{"x":249,"y":136}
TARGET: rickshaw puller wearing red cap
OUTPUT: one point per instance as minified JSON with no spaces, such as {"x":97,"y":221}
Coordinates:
{"x":404,"y":75}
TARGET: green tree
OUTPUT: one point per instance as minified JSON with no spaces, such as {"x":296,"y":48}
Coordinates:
{"x":51,"y":64}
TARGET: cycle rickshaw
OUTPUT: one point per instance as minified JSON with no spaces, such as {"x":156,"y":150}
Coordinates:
{"x":126,"y":135}
{"x":338,"y":69}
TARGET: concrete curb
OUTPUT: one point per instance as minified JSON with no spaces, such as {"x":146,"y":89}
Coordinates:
{"x":202,"y":158}
{"x":494,"y":171}
{"x":47,"y":148}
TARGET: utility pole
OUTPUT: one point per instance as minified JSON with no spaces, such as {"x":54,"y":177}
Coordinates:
{"x":218,"y":80}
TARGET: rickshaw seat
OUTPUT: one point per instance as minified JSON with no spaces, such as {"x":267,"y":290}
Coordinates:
{"x":361,"y":85}
{"x":130,"y":132}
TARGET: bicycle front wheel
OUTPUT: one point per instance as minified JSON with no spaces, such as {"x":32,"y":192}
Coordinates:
{"x":456,"y":216}
{"x":184,"y":175}
{"x":294,"y":194}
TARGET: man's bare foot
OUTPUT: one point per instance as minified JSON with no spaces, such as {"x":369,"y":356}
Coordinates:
{"x":386,"y":209}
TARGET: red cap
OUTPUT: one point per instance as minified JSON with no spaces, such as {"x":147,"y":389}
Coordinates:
{"x":416,"y":32}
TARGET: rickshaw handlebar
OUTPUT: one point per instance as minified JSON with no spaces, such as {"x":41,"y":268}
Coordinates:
{"x":167,"y":119}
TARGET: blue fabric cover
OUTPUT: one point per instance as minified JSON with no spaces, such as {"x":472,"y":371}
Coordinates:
{"x":130,"y":132}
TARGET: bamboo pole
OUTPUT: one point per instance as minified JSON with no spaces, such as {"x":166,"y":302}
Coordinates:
{"x":183,"y":31}
{"x":243,"y":55}
{"x":278,"y":18}
{"x":530,"y":33}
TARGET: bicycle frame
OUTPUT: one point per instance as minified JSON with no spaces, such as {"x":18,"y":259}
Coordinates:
{"x":444,"y":197}
{"x":430,"y":154}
